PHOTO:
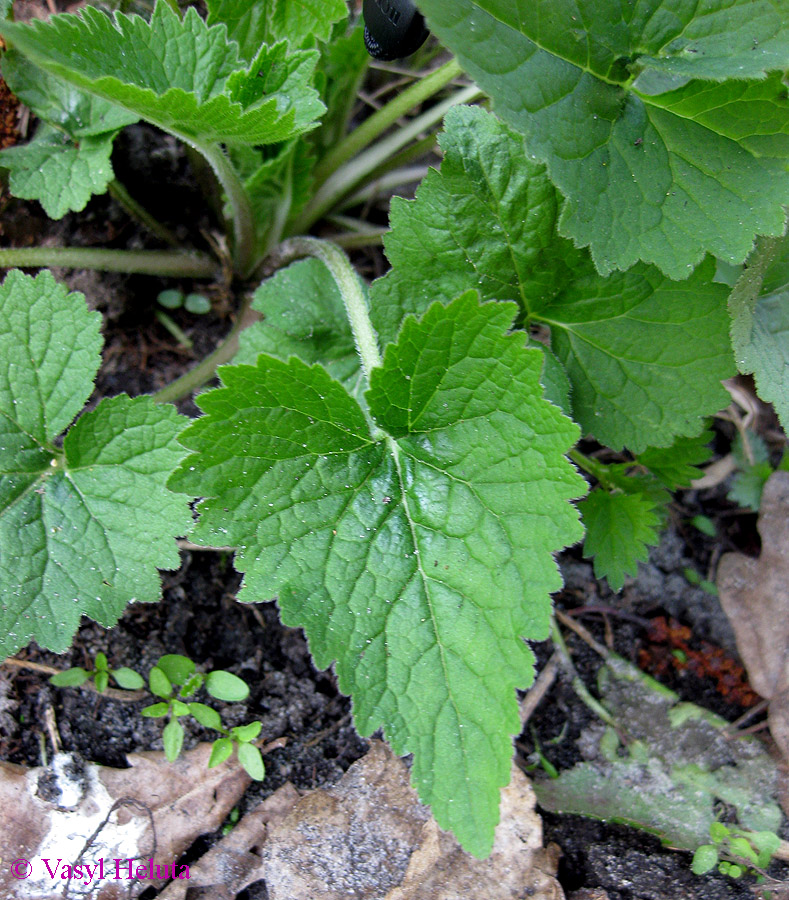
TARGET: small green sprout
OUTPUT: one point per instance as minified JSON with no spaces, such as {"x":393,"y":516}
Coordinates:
{"x":124,"y":677}
{"x":735,"y":851}
{"x":175,"y":680}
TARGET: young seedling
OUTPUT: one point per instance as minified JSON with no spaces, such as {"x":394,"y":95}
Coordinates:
{"x":175,"y":679}
{"x":124,"y":677}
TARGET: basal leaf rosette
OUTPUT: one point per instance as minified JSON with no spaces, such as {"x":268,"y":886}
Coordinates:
{"x":83,"y":527}
{"x":415,"y":547}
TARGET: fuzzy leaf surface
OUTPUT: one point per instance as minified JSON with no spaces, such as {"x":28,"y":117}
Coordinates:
{"x":269,"y":21}
{"x":178,"y":74}
{"x":417,"y":559}
{"x":619,"y":529}
{"x":58,"y":172}
{"x":631,"y":344}
{"x":640,"y":181}
{"x":82,"y":530}
{"x":304,"y":316}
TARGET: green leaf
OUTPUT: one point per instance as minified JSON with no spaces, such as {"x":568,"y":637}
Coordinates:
{"x":206,"y":716}
{"x":677,"y":465}
{"x":155,"y":710}
{"x":304,"y":316}
{"x":101,"y":662}
{"x":704,"y":859}
{"x":101,"y":679}
{"x":631,"y":345}
{"x":250,"y":758}
{"x":719,"y":832}
{"x":619,"y":528}
{"x":58,"y":172}
{"x":246,"y":733}
{"x":221,"y":750}
{"x":417,"y":560}
{"x":747,"y":486}
{"x":177,"y":668}
{"x":59,"y":103}
{"x":645,"y":355}
{"x":487,"y":220}
{"x":128,"y":679}
{"x":179,"y":708}
{"x":269,"y":21}
{"x":182,"y":75}
{"x":278,"y":186}
{"x":640,"y":181}
{"x":192,"y":685}
{"x":82,"y":529}
{"x":70,"y":678}
{"x":226,"y":686}
{"x":159,"y":683}
{"x":740,"y":846}
{"x":173,"y":737}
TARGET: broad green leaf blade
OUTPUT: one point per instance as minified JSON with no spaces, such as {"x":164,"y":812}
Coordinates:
{"x":755,"y":114}
{"x":630,"y":344}
{"x":57,"y":102}
{"x":83,"y":529}
{"x":91,"y":535}
{"x":304,"y":316}
{"x":645,"y":355}
{"x":182,"y":75}
{"x":50,"y":346}
{"x":269,"y":21}
{"x":487,"y":221}
{"x":619,"y":528}
{"x":62,"y":174}
{"x":640,"y":182}
{"x":418,"y":561}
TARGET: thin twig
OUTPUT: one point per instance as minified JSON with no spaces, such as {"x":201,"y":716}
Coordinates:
{"x":582,"y":633}
{"x":540,"y":688}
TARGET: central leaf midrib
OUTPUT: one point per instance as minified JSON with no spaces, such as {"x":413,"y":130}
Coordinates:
{"x":394,"y":450}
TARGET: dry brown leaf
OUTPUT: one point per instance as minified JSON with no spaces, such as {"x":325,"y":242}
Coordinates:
{"x":53,"y":813}
{"x":754,"y":594}
{"x":369,"y":838}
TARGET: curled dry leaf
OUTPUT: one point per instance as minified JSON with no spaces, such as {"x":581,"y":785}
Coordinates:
{"x":754,"y":594}
{"x":56,"y":813}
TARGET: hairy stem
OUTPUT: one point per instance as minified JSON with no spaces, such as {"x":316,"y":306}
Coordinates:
{"x":241,"y":208}
{"x":349,"y":176}
{"x":350,"y":288}
{"x":141,"y":214}
{"x":168,"y":263}
{"x":377,"y":123}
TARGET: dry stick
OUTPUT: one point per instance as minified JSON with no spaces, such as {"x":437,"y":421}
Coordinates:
{"x":113,"y":693}
{"x":582,"y":633}
{"x":541,"y":687}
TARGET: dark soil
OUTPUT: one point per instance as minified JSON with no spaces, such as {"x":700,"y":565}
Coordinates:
{"x":199,"y":616}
